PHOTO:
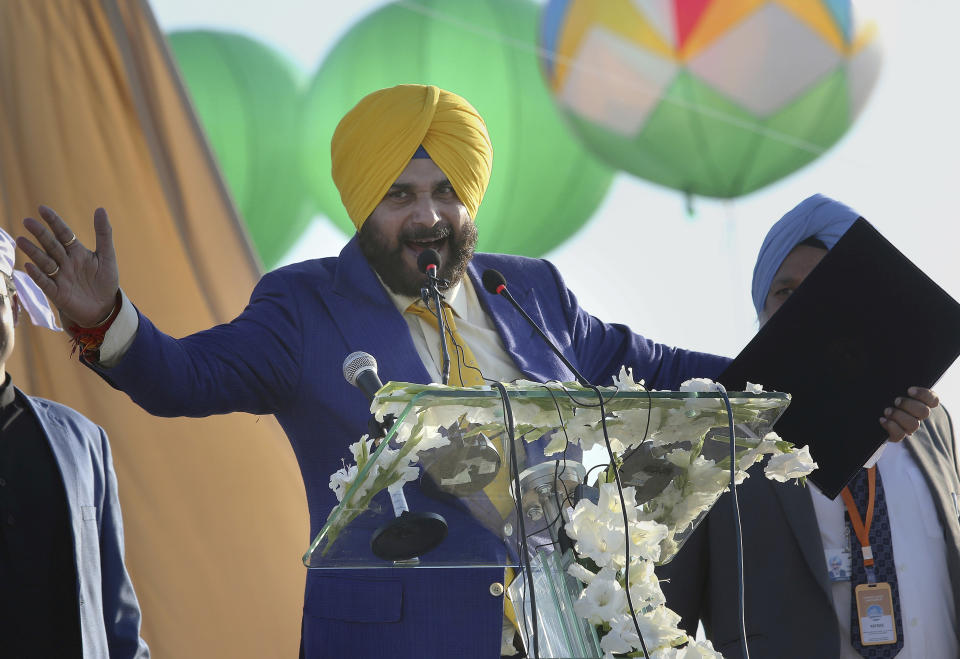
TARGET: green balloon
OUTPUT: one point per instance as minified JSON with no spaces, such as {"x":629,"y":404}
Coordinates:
{"x":249,"y":99}
{"x":544,"y":186}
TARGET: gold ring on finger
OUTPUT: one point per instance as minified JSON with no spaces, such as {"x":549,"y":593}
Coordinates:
{"x":72,"y":240}
{"x":55,"y":271}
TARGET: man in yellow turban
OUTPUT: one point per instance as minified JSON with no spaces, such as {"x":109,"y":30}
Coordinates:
{"x":412,"y":164}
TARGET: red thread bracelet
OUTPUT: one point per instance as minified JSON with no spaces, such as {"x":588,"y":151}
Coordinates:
{"x":89,"y":339}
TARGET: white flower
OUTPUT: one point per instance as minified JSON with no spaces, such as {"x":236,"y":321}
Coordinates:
{"x":406,"y":473}
{"x":645,"y":588}
{"x":361,"y":449}
{"x":767,"y":445}
{"x":581,"y":573}
{"x":645,"y":539}
{"x":624,"y":381}
{"x":659,"y":629}
{"x":694,"y":650}
{"x":602,"y":599}
{"x":691,"y":507}
{"x":341,"y":479}
{"x":430,"y":439}
{"x":754,"y":388}
{"x":705,"y":476}
{"x":794,"y":464}
{"x":698,"y":384}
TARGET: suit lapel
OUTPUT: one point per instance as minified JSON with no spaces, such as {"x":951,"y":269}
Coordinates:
{"x":533,"y":358}
{"x":942,"y":481}
{"x":798,"y":510}
{"x":61,"y":440}
{"x":369,"y":321}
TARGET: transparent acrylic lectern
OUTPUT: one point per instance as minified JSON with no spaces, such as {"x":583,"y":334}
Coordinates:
{"x":458,"y":508}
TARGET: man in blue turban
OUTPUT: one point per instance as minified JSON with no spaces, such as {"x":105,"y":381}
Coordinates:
{"x":801,"y":560}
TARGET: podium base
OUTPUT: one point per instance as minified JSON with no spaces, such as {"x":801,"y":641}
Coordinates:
{"x":408,"y":536}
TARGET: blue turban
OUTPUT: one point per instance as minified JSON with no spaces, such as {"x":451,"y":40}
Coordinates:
{"x":815,"y":217}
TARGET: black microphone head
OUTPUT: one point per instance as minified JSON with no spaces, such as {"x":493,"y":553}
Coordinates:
{"x":427,"y":258}
{"x":356,"y":363}
{"x":493,"y":281}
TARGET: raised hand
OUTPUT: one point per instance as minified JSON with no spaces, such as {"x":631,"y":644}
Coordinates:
{"x":82,"y":284}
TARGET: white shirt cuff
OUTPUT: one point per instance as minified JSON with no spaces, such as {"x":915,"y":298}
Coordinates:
{"x":121,"y":334}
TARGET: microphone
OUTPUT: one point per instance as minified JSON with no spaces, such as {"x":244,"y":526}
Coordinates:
{"x":428,"y":261}
{"x":410,"y":534}
{"x":496,"y":284}
{"x":360,"y":370}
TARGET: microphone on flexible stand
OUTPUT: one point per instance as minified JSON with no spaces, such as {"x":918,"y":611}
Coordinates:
{"x":360,"y":370}
{"x":537,"y":479}
{"x":428,"y":262}
{"x":409,"y":535}
{"x":496,"y":284}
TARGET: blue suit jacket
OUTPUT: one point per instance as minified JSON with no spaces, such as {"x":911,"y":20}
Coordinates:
{"x":283,"y":356}
{"x":109,"y":613}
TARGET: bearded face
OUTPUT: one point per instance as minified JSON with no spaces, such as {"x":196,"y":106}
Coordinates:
{"x":420,"y":211}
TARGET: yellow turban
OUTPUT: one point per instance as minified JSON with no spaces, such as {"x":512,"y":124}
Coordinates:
{"x":375,"y":141}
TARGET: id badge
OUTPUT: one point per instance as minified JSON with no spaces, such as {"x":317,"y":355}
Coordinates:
{"x":875,"y":611}
{"x":838,"y":564}
{"x":838,"y":558}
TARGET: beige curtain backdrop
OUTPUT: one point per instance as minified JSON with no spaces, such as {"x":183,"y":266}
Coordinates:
{"x":92,"y":113}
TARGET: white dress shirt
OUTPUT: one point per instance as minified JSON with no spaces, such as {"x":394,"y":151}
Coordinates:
{"x":919,"y":550}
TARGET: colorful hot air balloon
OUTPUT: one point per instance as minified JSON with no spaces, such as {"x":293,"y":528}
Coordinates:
{"x":545,"y":184}
{"x":712,"y":97}
{"x":249,"y":98}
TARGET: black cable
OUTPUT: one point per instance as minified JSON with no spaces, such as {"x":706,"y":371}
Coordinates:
{"x":626,"y":522}
{"x":524,"y":550}
{"x":441,"y":323}
{"x":462,"y":357}
{"x":587,"y":475}
{"x":741,"y":611}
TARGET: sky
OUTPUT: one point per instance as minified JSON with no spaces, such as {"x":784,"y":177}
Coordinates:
{"x":684,"y":279}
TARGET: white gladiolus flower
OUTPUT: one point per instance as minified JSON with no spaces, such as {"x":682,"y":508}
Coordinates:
{"x":705,"y":476}
{"x":602,"y":599}
{"x":767,"y":445}
{"x":693,"y":650}
{"x":581,"y":573}
{"x":431,"y":439}
{"x":645,"y":539}
{"x":794,"y":464}
{"x":645,"y":588}
{"x":361,"y":449}
{"x":659,"y":629}
{"x":698,"y":384}
{"x":624,"y":381}
{"x":754,"y":388}
{"x":341,"y":479}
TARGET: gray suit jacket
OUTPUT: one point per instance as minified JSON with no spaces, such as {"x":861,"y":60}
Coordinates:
{"x":109,"y":612}
{"x":788,"y":601}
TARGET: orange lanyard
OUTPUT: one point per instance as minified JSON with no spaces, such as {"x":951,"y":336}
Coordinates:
{"x":863,"y":530}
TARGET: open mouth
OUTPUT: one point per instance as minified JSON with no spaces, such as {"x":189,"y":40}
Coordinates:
{"x":420,"y":244}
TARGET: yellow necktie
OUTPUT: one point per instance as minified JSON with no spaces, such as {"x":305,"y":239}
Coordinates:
{"x":465,"y":372}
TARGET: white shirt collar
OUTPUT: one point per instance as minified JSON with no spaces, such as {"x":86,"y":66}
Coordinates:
{"x":451,"y":296}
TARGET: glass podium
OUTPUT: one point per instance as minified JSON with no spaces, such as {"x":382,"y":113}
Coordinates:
{"x":465,"y":478}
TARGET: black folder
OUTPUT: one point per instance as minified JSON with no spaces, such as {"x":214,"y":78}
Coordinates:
{"x":837,"y":346}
